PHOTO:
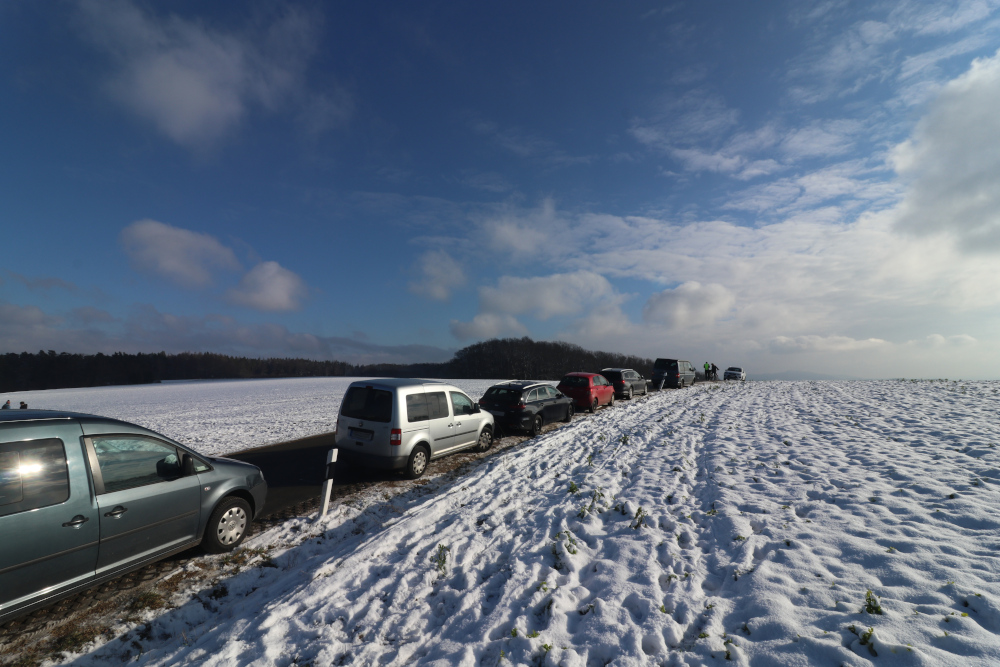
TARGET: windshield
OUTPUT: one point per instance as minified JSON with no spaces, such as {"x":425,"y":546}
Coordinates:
{"x":368,"y":404}
{"x":735,"y":368}
{"x":503,"y":394}
{"x":665,"y":364}
{"x":575,"y":381}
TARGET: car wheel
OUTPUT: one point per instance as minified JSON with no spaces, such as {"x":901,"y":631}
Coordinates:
{"x":417,"y":463}
{"x":536,"y":426}
{"x":485,"y":441}
{"x":228,"y":526}
{"x":629,"y":396}
{"x":593,"y":406}
{"x":612,"y":401}
{"x":569,"y":412}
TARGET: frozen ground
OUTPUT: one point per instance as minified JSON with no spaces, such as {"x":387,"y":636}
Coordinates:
{"x":218,"y":417}
{"x":741,"y":520}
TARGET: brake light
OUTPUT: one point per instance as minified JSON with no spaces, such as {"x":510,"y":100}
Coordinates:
{"x":521,"y":406}
{"x":396,"y":436}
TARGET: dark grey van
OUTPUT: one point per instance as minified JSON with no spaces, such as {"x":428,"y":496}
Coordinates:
{"x":84,"y":499}
{"x":676,"y":373}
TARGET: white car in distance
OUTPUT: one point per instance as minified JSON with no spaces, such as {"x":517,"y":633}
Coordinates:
{"x":734,"y":373}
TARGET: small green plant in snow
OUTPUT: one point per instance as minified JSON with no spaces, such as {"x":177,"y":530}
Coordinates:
{"x":573,"y":488}
{"x":532,"y":634}
{"x":873,"y":603}
{"x":640,"y":517}
{"x":441,"y":559}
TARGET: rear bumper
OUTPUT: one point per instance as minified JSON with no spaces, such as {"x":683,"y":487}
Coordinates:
{"x":371,"y":460}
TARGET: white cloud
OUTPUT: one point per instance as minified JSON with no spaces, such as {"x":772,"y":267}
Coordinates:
{"x":952,"y":162}
{"x":196,"y":84}
{"x":440,"y":274}
{"x":545,"y":296}
{"x":488,"y":325}
{"x":689,"y":304}
{"x":814,"y":343}
{"x":268,"y":286}
{"x":184,"y":257}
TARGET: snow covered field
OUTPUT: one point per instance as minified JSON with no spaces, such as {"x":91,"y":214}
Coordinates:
{"x":222,"y":416}
{"x":746,"y":521}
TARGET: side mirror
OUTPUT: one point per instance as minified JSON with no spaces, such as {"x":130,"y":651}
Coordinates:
{"x":476,"y":409}
{"x":187,"y":465}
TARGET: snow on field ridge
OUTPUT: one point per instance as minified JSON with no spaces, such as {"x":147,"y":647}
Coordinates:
{"x":745,"y":521}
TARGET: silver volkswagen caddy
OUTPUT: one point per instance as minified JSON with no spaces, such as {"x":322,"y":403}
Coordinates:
{"x":402,"y":424}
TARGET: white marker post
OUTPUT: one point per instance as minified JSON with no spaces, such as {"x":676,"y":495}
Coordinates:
{"x":331,"y":459}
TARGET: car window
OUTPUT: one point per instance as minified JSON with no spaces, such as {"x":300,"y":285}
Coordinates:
{"x":532,"y":395}
{"x":574,"y":381}
{"x":461,"y":404}
{"x":503,"y":394}
{"x":368,"y":404}
{"x":416,"y":408}
{"x":33,"y":474}
{"x":128,"y":461}
{"x":437,"y":404}
{"x":553,"y":392}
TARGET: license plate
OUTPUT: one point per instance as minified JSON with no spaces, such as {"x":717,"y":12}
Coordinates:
{"x":361,"y":435}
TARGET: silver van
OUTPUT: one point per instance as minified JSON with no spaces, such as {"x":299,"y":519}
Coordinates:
{"x":84,"y":499}
{"x":401,"y":424}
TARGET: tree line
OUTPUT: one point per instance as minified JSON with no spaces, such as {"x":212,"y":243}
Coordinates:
{"x":499,"y":358}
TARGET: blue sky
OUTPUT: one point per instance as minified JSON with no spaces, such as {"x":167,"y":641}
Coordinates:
{"x":785,"y":186}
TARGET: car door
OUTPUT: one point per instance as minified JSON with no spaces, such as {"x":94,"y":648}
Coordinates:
{"x":146,"y":505}
{"x":440,"y":424}
{"x":607,"y":390}
{"x":554,"y":410}
{"x":466,"y":420}
{"x":48,"y":518}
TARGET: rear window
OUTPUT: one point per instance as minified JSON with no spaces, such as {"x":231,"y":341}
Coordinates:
{"x":665,"y":364}
{"x":612,"y":375}
{"x":503,"y":394}
{"x":575,"y":381}
{"x":368,"y":404}
{"x":33,"y":474}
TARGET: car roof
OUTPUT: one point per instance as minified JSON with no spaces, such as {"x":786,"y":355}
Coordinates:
{"x":395,"y":382}
{"x":615,"y":370}
{"x":35,"y":415}
{"x":581,"y":374}
{"x":520,"y":384}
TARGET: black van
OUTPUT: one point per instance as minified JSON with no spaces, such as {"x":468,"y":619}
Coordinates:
{"x":675,"y":373}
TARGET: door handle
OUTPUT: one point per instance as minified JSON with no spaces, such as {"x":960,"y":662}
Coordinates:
{"x":76,"y":521}
{"x":117,"y":512}
{"x":458,"y":423}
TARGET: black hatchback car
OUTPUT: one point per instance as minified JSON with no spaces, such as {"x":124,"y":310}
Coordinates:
{"x":526,"y":406}
{"x":626,"y":382}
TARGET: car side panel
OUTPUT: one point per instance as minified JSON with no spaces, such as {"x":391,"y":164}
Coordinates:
{"x":47,"y":558}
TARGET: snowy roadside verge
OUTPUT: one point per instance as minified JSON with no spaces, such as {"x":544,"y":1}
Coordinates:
{"x":736,"y":519}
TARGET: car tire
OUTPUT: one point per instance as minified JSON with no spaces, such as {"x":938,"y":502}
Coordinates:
{"x":536,"y":426}
{"x":594,"y":405}
{"x":570,"y":409}
{"x":611,"y":403}
{"x":228,"y":525}
{"x":629,"y":395}
{"x":416,"y":465}
{"x":485,"y":441}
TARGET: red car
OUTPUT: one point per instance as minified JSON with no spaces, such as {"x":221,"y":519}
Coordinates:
{"x":588,"y":390}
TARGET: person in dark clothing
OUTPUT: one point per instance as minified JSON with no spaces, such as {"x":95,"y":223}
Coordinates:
{"x":5,"y":406}
{"x":715,"y":372}
{"x":24,"y":406}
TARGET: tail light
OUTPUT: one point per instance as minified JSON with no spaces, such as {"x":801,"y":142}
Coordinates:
{"x":396,"y":436}
{"x":521,"y":405}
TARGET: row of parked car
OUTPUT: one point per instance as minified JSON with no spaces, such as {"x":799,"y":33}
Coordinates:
{"x":399,"y":424}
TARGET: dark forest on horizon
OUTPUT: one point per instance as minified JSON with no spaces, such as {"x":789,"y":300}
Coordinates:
{"x":498,"y":358}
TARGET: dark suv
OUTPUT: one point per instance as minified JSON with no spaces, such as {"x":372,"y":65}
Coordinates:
{"x":625,"y":381}
{"x":673,"y":373}
{"x":524,"y":405}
